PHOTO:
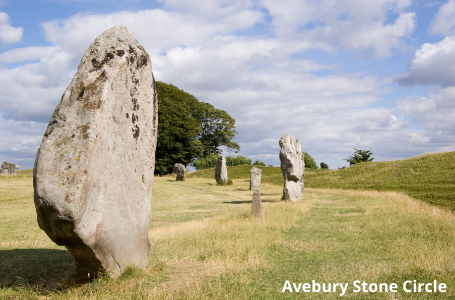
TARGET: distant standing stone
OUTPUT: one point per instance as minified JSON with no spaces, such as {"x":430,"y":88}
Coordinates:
{"x":221,"y":176}
{"x":180,"y":170}
{"x":93,"y":172}
{"x":9,"y":168}
{"x":256,"y":204}
{"x":293,"y":168}
{"x":255,"y":178}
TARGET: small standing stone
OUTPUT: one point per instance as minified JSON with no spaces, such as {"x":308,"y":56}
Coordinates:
{"x":256,"y":204}
{"x":9,"y":168}
{"x":221,"y":176}
{"x":180,"y":170}
{"x":255,"y":178}
{"x":293,"y":168}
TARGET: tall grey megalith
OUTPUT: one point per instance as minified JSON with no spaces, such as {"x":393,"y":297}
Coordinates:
{"x":221,"y":176}
{"x":293,"y":168}
{"x":93,"y":172}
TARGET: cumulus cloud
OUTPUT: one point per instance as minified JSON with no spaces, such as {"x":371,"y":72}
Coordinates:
{"x":431,"y":65}
{"x":444,"y":20}
{"x":8,"y":33}
{"x":351,"y":24}
{"x":31,"y":91}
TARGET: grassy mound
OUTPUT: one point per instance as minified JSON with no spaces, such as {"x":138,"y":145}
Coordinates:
{"x":429,"y":177}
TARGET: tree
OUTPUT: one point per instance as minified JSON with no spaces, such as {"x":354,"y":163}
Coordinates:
{"x":189,"y":129}
{"x":217,"y":129}
{"x":324,"y":165}
{"x":258,"y":163}
{"x":309,"y":161}
{"x":359,"y":156}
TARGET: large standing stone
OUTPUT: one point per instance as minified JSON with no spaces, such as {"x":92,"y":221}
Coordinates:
{"x":256,"y":204}
{"x":255,"y":178}
{"x":93,"y":172}
{"x":180,"y":170}
{"x":9,"y":168}
{"x":221,"y":176}
{"x":293,"y":168}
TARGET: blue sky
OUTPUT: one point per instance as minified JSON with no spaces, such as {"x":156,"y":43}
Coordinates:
{"x":337,"y":74}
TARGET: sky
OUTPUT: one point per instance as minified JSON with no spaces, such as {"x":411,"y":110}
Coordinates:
{"x":375,"y":75}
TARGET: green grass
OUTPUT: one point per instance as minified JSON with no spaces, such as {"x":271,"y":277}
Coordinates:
{"x":205,"y":245}
{"x":429,"y":177}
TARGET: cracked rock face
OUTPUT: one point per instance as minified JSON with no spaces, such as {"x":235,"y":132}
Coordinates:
{"x":293,"y":168}
{"x":93,"y":172}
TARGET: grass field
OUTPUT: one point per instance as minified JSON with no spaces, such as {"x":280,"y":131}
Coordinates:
{"x":429,"y":177}
{"x":206,"y":246}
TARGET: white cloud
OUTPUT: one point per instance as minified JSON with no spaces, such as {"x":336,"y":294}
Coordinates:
{"x":351,"y":24}
{"x":25,"y":54}
{"x":8,"y":33}
{"x":444,"y":20}
{"x":31,"y":91}
{"x":432,"y":65}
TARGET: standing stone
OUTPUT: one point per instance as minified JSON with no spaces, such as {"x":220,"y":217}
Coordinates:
{"x":221,"y":171}
{"x":9,"y":168}
{"x":293,"y":168}
{"x":255,"y":178}
{"x":180,"y":172}
{"x":93,"y":172}
{"x":256,"y":204}
{"x":175,"y":168}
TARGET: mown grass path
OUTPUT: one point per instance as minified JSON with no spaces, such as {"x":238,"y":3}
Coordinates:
{"x":206,"y":246}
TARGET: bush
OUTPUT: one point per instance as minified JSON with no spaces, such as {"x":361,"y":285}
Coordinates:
{"x":237,"y":160}
{"x":206,"y":162}
{"x":309,"y":161}
{"x":324,"y":165}
{"x":359,"y":156}
{"x":259,"y":163}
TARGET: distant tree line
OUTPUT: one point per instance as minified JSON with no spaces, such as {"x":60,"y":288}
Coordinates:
{"x":210,"y":161}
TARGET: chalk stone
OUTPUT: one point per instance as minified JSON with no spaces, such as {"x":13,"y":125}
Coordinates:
{"x":9,"y":168}
{"x":221,"y":176}
{"x":255,"y":178}
{"x":180,"y":170}
{"x":293,"y":168}
{"x":93,"y":172}
{"x":256,"y":204}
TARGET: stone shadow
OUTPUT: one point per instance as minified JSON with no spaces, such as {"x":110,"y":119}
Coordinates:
{"x":38,"y":268}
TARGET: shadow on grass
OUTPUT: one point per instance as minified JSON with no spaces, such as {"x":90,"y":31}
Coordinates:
{"x":247,"y":201}
{"x":44,"y":268}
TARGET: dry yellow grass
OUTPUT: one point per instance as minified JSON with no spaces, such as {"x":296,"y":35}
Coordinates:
{"x":206,"y":246}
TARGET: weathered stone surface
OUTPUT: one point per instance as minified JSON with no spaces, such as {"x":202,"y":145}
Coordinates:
{"x":293,"y":168}
{"x":9,"y":168}
{"x":175,"y":168}
{"x":93,"y":172}
{"x":256,"y":204}
{"x":221,"y":176}
{"x":180,"y":170}
{"x":255,"y":178}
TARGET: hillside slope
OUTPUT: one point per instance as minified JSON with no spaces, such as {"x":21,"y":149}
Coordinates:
{"x":429,"y":177}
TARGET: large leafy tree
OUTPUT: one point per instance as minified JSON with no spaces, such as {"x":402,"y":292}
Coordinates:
{"x":189,"y":129}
